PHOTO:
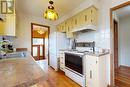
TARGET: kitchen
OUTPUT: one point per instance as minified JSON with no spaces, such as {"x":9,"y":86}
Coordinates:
{"x":74,"y":33}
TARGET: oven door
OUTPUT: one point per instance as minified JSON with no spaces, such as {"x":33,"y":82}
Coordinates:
{"x":74,"y":62}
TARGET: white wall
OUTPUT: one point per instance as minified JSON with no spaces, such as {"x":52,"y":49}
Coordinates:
{"x":23,"y":30}
{"x":124,"y":41}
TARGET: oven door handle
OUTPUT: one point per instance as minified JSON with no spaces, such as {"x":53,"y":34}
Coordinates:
{"x":74,"y":71}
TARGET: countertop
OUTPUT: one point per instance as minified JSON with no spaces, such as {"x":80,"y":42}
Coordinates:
{"x":97,"y":54}
{"x":20,"y":72}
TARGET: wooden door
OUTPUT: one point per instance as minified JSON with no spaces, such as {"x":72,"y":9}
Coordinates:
{"x":115,"y":44}
{"x":38,"y":52}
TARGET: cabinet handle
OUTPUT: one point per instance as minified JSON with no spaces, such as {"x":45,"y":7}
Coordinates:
{"x":85,"y":17}
{"x":91,"y":11}
{"x":90,"y":74}
{"x":75,"y":21}
{"x":62,"y":27}
{"x":91,"y":20}
{"x":68,"y":28}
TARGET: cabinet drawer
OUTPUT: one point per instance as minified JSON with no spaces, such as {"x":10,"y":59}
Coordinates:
{"x":62,"y":66}
{"x":62,"y":61}
{"x":62,"y":55}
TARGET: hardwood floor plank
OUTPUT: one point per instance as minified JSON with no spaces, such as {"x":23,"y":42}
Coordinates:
{"x":122,"y":77}
{"x":57,"y":79}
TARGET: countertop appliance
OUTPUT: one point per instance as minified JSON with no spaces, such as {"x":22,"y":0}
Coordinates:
{"x":74,"y":61}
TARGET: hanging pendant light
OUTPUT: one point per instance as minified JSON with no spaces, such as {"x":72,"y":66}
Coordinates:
{"x":50,"y":13}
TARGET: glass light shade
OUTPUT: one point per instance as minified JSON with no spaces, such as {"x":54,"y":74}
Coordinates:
{"x":40,"y":32}
{"x":51,"y":14}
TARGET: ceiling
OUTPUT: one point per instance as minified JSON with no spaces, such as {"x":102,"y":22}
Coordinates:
{"x":37,"y":7}
{"x":123,"y":12}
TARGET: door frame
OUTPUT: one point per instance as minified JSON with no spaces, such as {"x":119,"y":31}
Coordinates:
{"x":32,"y":37}
{"x":112,"y":83}
{"x":116,"y":57}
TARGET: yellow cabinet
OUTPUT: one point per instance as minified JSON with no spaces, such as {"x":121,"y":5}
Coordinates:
{"x":8,"y":26}
{"x":2,"y":32}
{"x":69,"y":25}
{"x":90,"y":16}
{"x":86,"y":17}
{"x":75,"y":21}
{"x":94,"y":16}
{"x":61,"y":27}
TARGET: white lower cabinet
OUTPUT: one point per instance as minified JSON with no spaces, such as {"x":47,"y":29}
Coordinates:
{"x":62,"y":60}
{"x":97,"y":71}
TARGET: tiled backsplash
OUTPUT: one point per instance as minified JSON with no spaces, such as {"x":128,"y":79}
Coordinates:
{"x":101,"y":38}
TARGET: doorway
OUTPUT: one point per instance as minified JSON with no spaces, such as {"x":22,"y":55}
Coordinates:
{"x":120,"y":32}
{"x":39,"y":41}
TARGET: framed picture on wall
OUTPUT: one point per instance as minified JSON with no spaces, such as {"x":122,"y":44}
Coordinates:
{"x":7,"y":7}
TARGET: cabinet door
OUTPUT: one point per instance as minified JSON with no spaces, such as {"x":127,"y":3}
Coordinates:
{"x":58,"y":28}
{"x":75,"y":21}
{"x":10,"y":25}
{"x":79,"y":19}
{"x":63,"y":27}
{"x":69,"y":34}
{"x":85,"y":17}
{"x":2,"y":27}
{"x":94,"y":16}
{"x":91,"y":71}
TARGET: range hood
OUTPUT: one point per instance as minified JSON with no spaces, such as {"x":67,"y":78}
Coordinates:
{"x":85,"y":28}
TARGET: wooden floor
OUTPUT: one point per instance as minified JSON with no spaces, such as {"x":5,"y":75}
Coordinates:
{"x":122,"y":77}
{"x":56,"y":79}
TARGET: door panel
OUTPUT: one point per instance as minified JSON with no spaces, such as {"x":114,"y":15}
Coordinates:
{"x":38,"y":52}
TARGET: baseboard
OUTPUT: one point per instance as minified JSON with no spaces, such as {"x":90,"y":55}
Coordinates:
{"x":126,"y":67}
{"x":111,"y":86}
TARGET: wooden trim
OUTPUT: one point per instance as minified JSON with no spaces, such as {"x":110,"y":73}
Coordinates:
{"x":120,"y":6}
{"x":32,"y":36}
{"x":112,"y":39}
{"x":21,"y":49}
{"x":125,"y":67}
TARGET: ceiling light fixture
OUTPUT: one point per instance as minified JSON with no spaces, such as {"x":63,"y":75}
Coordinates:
{"x":50,"y":13}
{"x":40,"y":31}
